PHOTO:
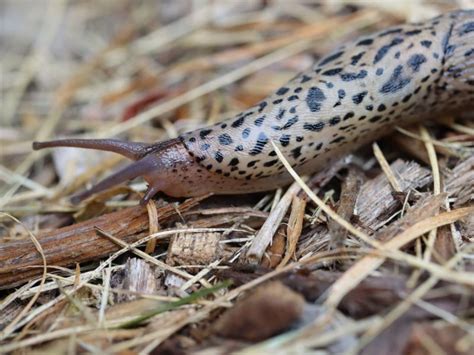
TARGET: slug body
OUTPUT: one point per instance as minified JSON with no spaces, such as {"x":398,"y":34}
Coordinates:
{"x":351,"y":97}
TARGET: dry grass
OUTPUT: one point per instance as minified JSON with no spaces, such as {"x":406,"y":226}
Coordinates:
{"x":373,"y":256}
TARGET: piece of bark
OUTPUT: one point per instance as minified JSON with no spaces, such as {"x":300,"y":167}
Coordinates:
{"x":426,"y":207}
{"x":376,"y":196}
{"x":467,"y":227}
{"x":274,"y":252}
{"x":139,"y":277}
{"x":349,"y":192}
{"x":194,"y":249}
{"x":295,"y":226}
{"x":265,"y":235}
{"x":78,"y":243}
{"x":444,"y":245}
{"x":267,"y":311}
{"x":460,"y":182}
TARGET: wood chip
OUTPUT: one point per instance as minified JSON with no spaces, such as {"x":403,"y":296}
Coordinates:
{"x":349,"y":192}
{"x":264,"y":237}
{"x":139,"y":277}
{"x":376,"y":198}
{"x":274,"y":253}
{"x":295,"y":226}
{"x":194,"y":249}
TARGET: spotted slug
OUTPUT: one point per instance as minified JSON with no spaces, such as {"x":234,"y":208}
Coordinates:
{"x":350,"y":97}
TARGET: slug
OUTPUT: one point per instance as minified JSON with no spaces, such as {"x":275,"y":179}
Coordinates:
{"x":350,"y":97}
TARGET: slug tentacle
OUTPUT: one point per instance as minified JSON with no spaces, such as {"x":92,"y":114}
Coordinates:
{"x":353,"y":96}
{"x":131,"y":150}
{"x":136,"y":169}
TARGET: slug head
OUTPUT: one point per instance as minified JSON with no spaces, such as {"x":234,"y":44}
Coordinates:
{"x":166,"y":166}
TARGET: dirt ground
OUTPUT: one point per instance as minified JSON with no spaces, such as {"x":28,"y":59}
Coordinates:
{"x":373,"y":254}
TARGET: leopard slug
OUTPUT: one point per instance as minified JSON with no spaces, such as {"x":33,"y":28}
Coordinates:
{"x":350,"y":97}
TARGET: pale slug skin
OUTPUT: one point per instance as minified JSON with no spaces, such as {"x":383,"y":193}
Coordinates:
{"x":350,"y":97}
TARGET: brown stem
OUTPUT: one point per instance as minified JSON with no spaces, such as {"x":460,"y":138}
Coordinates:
{"x":78,"y":243}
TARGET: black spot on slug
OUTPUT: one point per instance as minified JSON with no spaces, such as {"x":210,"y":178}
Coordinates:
{"x":281,"y":113}
{"x":358,"y":98}
{"x":262,"y":140}
{"x":334,"y":120}
{"x":287,"y":125}
{"x":375,"y":118}
{"x":314,"y":98}
{"x":330,"y":58}
{"x":469,"y":52}
{"x":415,"y":61}
{"x":337,"y":140}
{"x":282,"y":91}
{"x":234,"y":162}
{"x":315,"y":127}
{"x":341,"y":94}
{"x":354,"y":76}
{"x":296,"y":152}
{"x":447,"y":48}
{"x":466,"y":28}
{"x":384,"y":49}
{"x":270,"y":163}
{"x":305,"y":78}
{"x":261,"y":106}
{"x":365,"y":42}
{"x":238,"y":122}
{"x":246,"y":133}
{"x":225,"y":139}
{"x":355,"y":59}
{"x":204,"y":133}
{"x":412,"y":33}
{"x":390,"y":31}
{"x":396,"y":81}
{"x":285,"y":139}
{"x":348,"y":115}
{"x":259,"y":121}
{"x":219,"y":157}
{"x":426,"y":43}
{"x":332,"y":72}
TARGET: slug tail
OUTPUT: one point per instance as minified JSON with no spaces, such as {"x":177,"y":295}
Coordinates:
{"x":131,"y":150}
